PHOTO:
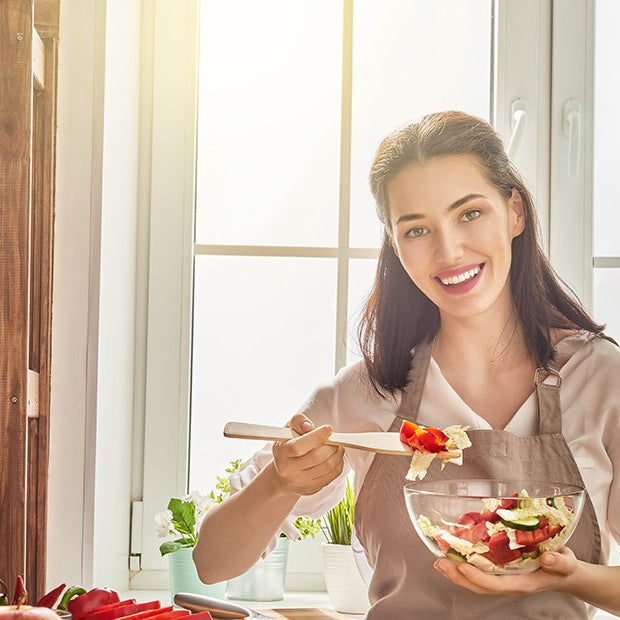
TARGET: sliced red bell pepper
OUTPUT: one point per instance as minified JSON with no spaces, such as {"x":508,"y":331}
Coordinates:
{"x":141,"y":615}
{"x":90,"y":601}
{"x":111,"y":613}
{"x":49,"y":599}
{"x":423,"y":438}
{"x":171,"y":615}
{"x":129,"y":601}
{"x":202,"y":615}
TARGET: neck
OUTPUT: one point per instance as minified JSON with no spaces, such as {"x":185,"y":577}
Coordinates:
{"x":481,"y":342}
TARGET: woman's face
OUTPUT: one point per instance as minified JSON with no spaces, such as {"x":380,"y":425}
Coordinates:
{"x":452,"y":230}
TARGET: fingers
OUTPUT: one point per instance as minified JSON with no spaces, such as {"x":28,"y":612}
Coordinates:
{"x":301,"y":424}
{"x":561,"y":562}
{"x":306,"y":464}
{"x":450,"y":570}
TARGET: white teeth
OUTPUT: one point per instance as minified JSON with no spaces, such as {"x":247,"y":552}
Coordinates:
{"x":466,"y":275}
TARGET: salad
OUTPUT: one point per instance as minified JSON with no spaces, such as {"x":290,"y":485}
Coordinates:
{"x":507,"y":535}
{"x":430,"y":443}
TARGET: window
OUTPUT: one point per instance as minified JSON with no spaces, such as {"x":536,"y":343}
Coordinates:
{"x":294,"y":99}
{"x":606,"y":243}
{"x":277,"y":257}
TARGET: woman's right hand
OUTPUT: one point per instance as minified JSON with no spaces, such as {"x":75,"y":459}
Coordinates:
{"x":305,"y":465}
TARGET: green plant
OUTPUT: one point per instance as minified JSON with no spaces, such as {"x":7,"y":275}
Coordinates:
{"x":180,"y":523}
{"x":337,"y":523}
{"x":306,"y":527}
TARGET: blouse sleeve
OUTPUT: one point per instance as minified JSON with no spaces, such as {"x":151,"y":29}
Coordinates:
{"x":321,"y":410}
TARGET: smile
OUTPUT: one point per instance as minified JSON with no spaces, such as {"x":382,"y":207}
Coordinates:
{"x":458,"y":283}
{"x":462,"y":277}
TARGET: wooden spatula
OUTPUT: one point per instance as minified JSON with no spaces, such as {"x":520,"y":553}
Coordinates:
{"x":384,"y":443}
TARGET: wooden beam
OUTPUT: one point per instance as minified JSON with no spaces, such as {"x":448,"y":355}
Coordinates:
{"x":41,"y":260}
{"x":47,"y":18}
{"x":38,"y":61}
{"x":15,"y":161}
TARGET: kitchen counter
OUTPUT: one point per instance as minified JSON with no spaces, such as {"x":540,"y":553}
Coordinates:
{"x":298,"y":599}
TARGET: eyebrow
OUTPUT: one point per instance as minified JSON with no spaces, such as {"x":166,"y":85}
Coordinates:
{"x":455,"y":205}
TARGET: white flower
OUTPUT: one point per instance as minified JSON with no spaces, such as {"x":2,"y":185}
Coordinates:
{"x":163,"y":524}
{"x":201,"y":502}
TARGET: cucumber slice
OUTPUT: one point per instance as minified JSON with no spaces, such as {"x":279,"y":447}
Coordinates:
{"x":455,"y":556}
{"x":530,"y":555}
{"x":527,"y":523}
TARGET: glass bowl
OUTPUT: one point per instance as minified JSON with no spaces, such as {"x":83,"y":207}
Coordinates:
{"x":499,"y":526}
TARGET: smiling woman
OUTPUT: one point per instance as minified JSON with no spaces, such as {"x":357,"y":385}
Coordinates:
{"x":465,"y":322}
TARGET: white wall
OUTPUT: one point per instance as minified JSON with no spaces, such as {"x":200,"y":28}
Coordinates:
{"x":94,"y":292}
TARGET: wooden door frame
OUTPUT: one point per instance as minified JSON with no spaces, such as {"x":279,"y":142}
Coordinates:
{"x":27,"y":170}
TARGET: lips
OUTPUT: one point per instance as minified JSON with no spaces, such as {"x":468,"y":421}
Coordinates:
{"x":461,"y":279}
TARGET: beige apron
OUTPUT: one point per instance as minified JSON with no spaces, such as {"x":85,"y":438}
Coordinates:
{"x":404,"y":583}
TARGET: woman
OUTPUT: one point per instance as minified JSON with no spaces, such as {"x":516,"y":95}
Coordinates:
{"x":466,"y":324}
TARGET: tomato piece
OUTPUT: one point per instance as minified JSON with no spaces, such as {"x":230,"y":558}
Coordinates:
{"x":499,"y":549}
{"x":443,"y":545}
{"x":492,"y":517}
{"x":470,"y":518}
{"x":424,"y":439}
{"x":407,"y":429}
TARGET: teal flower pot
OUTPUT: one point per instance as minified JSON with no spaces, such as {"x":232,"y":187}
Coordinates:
{"x":184,"y":578}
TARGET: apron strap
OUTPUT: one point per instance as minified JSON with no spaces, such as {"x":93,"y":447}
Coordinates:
{"x":412,"y":393}
{"x":549,"y":409}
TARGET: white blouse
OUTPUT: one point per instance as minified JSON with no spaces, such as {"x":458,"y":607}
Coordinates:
{"x":590,"y":398}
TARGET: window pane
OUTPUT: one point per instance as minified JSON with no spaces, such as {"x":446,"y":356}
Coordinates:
{"x":411,"y":57}
{"x":268,"y":155}
{"x":607,"y":300}
{"x":361,"y":277}
{"x":606,"y":129}
{"x":263,"y":339}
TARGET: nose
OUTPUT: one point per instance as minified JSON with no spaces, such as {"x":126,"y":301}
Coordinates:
{"x":448,"y":246}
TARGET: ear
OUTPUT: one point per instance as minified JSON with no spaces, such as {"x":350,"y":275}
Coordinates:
{"x":517,"y":213}
{"x":390,"y":237}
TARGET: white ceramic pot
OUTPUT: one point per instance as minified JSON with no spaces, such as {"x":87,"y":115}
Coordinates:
{"x":347,"y":591}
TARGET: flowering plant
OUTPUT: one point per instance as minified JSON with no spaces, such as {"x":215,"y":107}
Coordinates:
{"x":180,"y":523}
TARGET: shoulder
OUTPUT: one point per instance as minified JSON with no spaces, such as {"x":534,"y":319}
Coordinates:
{"x":349,"y":401}
{"x":592,"y":359}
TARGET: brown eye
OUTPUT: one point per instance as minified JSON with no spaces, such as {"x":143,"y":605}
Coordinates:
{"x":471,"y":215}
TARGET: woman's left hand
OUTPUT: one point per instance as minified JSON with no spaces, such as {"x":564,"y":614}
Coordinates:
{"x":556,"y":569}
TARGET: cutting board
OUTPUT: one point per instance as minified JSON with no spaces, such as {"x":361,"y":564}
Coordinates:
{"x":302,"y":614}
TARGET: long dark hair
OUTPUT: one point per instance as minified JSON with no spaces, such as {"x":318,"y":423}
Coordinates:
{"x":397,"y":315}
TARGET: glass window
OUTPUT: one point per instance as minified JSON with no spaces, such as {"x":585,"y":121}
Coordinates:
{"x":277,"y":126}
{"x":409,"y":59}
{"x":270,"y":78}
{"x":606,"y":129}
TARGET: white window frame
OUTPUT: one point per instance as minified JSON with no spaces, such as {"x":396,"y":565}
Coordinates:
{"x":522,"y":69}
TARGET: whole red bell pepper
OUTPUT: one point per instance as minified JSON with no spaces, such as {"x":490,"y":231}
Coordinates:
{"x":49,"y":599}
{"x":87,"y":603}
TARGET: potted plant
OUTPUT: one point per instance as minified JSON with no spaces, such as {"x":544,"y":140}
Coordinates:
{"x":265,"y":580}
{"x":347,"y":591}
{"x":179,"y":525}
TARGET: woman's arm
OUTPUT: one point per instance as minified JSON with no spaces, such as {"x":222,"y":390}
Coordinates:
{"x":561,"y":571}
{"x":234,"y":534}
